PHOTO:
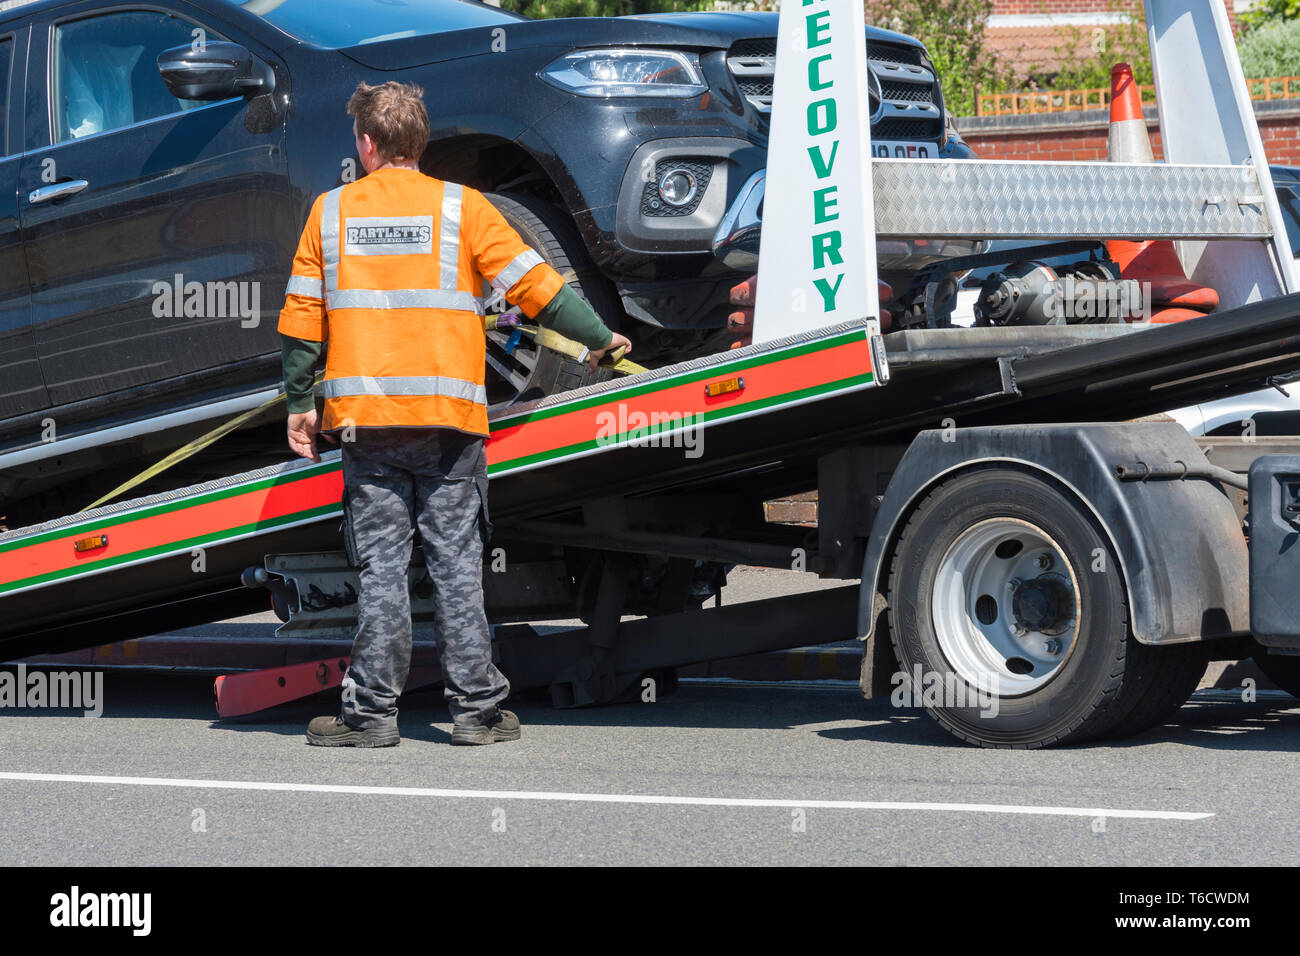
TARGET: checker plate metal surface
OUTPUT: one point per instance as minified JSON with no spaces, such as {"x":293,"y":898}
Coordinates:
{"x":1021,"y":200}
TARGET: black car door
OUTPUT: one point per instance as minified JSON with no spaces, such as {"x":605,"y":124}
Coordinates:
{"x":158,"y":231}
{"x":21,"y":387}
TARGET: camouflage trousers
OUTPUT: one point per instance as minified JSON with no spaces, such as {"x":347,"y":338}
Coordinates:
{"x":397,"y":481}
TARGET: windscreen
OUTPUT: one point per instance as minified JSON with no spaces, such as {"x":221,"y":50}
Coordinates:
{"x":344,"y":23}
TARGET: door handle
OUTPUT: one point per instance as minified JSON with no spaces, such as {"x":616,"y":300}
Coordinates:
{"x":56,"y":191}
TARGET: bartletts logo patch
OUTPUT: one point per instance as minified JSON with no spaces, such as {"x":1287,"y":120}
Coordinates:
{"x":388,"y":235}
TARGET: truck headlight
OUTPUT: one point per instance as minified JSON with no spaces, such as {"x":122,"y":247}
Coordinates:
{"x":626,"y":73}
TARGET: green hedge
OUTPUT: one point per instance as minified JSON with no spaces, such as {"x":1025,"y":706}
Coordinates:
{"x":1271,"y":50}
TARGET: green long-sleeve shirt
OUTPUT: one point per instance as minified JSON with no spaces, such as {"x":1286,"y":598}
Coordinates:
{"x":566,"y":313}
{"x":299,"y":358}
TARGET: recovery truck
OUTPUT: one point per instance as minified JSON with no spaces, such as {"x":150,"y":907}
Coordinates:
{"x":1002,"y":520}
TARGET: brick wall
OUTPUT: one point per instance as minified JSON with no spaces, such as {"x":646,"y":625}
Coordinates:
{"x":1083,"y":138}
{"x":1281,"y":140}
{"x":1003,"y":8}
{"x":1028,"y":40}
{"x":1009,"y":7}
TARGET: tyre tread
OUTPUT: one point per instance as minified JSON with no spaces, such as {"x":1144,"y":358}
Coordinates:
{"x":565,"y":253}
{"x":1163,"y":685}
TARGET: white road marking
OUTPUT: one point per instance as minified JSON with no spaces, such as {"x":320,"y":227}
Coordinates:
{"x":544,"y":795}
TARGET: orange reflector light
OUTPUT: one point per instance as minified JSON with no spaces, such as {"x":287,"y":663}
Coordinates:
{"x":726,"y":386}
{"x":91,"y":543}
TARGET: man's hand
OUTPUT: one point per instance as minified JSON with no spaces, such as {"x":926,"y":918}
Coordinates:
{"x":303,"y":427}
{"x":595,"y":355}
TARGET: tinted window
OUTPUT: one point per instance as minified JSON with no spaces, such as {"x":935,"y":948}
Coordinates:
{"x":352,"y":22}
{"x":106,"y":71}
{"x":6,"y":56}
{"x":1289,"y":199}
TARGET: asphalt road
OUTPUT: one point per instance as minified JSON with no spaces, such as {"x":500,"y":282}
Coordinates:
{"x":717,"y":773}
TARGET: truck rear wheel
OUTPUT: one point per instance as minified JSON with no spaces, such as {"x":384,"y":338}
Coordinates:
{"x":524,"y":372}
{"x":1162,"y":687}
{"x":1008,"y":606}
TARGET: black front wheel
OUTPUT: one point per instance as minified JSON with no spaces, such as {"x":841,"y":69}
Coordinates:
{"x":517,"y":369}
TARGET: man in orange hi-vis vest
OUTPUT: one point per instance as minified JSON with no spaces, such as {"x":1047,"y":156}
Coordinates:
{"x":389,"y":271}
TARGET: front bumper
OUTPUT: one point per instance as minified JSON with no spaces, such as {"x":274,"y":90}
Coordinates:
{"x":645,"y":223}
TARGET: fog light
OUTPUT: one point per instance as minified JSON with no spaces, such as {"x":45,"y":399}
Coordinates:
{"x":677,"y":187}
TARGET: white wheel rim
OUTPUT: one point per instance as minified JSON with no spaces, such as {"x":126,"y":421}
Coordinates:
{"x":1005,"y":607}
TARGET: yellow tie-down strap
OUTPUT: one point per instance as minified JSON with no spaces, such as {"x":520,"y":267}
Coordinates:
{"x":550,"y":339}
{"x":192,"y":448}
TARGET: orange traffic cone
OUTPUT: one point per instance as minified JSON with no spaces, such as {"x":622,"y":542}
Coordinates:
{"x":1154,"y":262}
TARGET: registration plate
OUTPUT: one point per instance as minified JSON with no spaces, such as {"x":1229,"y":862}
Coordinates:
{"x":896,"y":149}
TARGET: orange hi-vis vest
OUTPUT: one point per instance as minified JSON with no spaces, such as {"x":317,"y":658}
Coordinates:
{"x":390,"y":271}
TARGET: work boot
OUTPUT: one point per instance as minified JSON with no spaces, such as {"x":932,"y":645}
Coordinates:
{"x":504,"y":726}
{"x":333,"y":732}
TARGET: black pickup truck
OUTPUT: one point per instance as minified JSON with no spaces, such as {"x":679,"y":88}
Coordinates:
{"x":159,"y":160}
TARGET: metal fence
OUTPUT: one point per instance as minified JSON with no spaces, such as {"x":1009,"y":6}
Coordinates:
{"x":1029,"y":102}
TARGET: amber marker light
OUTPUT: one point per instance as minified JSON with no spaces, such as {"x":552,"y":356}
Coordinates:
{"x":94,"y":542}
{"x":724,"y":387}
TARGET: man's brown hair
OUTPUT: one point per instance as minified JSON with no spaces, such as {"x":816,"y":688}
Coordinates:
{"x":393,"y":115}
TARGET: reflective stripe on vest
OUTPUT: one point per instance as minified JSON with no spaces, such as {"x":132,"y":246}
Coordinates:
{"x":405,"y":299}
{"x":515,"y":270}
{"x":307,"y":286}
{"x":404,"y":385}
{"x":329,"y":240}
{"x":449,"y":246}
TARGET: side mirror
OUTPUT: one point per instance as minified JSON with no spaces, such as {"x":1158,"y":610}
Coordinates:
{"x":216,"y":71}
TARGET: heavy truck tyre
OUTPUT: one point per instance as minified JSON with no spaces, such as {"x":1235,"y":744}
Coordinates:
{"x":530,"y":372}
{"x":1174,"y":677}
{"x":1008,"y":604}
